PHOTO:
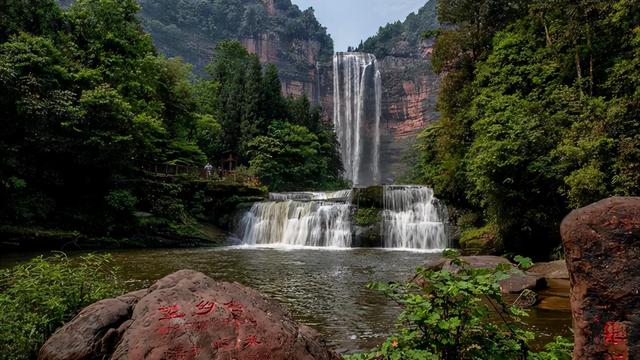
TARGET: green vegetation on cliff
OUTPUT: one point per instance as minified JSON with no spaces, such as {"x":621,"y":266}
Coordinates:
{"x":187,"y":28}
{"x":403,"y":38}
{"x":191,"y":29}
{"x":540,"y":112}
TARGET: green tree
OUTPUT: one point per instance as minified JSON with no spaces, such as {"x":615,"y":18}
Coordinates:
{"x":293,"y":145}
{"x":537,"y":116}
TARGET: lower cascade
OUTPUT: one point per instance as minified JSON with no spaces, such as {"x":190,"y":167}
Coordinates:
{"x":413,"y":219}
{"x":297,"y":223}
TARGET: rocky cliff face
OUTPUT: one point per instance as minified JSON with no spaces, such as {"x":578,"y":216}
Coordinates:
{"x":408,"y":106}
{"x":298,"y":78}
{"x":277,"y":31}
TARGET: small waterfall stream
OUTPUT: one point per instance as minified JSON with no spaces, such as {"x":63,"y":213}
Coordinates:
{"x":298,"y":222}
{"x":413,"y":219}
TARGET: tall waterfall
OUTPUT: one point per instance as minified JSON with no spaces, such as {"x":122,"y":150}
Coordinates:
{"x":413,"y":219}
{"x":357,"y":97}
{"x":297,"y":223}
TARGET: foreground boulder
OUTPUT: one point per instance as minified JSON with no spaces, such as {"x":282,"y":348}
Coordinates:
{"x":515,"y":284}
{"x":602,"y":246}
{"x":186,"y":315}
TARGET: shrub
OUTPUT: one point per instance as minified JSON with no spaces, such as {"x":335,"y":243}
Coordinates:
{"x":367,"y":216}
{"x":39,"y":296}
{"x":121,"y":201}
{"x":451,"y":316}
{"x":483,"y":240}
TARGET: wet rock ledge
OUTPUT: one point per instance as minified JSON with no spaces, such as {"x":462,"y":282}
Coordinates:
{"x":186,"y":315}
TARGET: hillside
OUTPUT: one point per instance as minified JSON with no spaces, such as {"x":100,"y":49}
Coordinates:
{"x":190,"y":29}
{"x":277,"y":30}
{"x":403,"y":38}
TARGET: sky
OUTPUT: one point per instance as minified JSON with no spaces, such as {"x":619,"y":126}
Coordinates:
{"x":349,"y":21}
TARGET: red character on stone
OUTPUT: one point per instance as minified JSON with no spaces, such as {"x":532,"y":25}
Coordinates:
{"x":615,"y":337}
{"x":205,"y":308}
{"x":234,"y":307}
{"x":167,"y":329}
{"x":251,"y":341}
{"x":614,"y":333}
{"x":171,"y":312}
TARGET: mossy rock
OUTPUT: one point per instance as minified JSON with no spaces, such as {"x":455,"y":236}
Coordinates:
{"x":369,"y":197}
{"x":367,"y":236}
{"x":480,"y":241}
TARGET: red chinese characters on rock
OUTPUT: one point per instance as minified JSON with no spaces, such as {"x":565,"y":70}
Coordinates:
{"x":171,"y":312}
{"x":251,"y":341}
{"x":234,"y":307}
{"x":205,"y":308}
{"x":615,"y":338}
{"x":197,"y":324}
{"x":163,"y":330}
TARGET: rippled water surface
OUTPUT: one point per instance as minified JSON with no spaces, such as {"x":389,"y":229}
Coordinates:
{"x":321,"y":288}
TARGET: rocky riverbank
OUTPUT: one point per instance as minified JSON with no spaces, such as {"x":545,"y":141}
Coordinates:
{"x":186,"y":315}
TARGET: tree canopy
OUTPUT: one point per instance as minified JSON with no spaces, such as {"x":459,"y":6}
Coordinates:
{"x":85,"y":101}
{"x":540,"y":112}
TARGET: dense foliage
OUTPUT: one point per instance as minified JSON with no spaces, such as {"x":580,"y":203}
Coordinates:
{"x":40,"y":295}
{"x":540,"y":114}
{"x":403,"y":38}
{"x":285,"y":141}
{"x":458,"y":316}
{"x":86,"y":102}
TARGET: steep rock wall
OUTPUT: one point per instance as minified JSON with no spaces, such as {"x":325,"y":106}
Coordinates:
{"x":408,"y":106}
{"x":410,"y":91}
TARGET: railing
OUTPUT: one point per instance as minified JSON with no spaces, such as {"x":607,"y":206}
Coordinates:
{"x":199,"y":172}
{"x":174,"y":170}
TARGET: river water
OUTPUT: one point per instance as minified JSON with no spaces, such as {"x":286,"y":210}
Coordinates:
{"x":322,"y":288}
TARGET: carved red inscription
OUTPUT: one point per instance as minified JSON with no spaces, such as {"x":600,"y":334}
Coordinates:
{"x":615,"y":338}
{"x":171,"y":312}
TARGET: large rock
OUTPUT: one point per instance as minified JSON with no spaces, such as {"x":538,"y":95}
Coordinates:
{"x":515,"y":284}
{"x":551,"y":270}
{"x":602,"y":245}
{"x":186,"y":315}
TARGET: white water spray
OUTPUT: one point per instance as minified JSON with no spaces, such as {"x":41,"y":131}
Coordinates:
{"x":413,"y":219}
{"x":297,"y":223}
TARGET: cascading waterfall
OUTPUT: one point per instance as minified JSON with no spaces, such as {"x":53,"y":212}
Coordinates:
{"x":341,"y":195}
{"x":413,"y":219}
{"x":297,"y":223}
{"x":357,"y":98}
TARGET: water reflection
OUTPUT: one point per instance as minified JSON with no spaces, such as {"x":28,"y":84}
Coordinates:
{"x":321,"y":288}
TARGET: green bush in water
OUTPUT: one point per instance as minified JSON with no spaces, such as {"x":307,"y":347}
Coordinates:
{"x":37,"y":297}
{"x":367,"y":216}
{"x":451,"y":316}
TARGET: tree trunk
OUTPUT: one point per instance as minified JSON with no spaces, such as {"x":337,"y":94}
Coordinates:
{"x":578,"y":67}
{"x":546,"y":32}
{"x":590,"y":48}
